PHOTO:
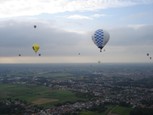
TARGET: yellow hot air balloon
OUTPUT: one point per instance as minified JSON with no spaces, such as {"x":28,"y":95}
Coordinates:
{"x":35,"y":47}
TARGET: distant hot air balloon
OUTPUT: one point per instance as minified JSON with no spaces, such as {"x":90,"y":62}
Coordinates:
{"x":100,"y":38}
{"x":39,"y":54}
{"x":35,"y":47}
{"x":34,"y":26}
{"x":150,"y":57}
{"x":19,"y":54}
{"x":147,"y":54}
{"x":99,"y":62}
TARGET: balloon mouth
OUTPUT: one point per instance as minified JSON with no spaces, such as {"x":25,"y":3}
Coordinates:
{"x":100,"y":48}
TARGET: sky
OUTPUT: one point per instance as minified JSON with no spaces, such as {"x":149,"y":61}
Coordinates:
{"x":64,"y":29}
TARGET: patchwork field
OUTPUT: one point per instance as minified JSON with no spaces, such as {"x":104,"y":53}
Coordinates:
{"x":36,"y":94}
{"x":111,"y":110}
{"x":40,"y":101}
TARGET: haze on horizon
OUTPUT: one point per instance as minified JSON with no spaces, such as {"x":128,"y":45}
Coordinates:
{"x":64,"y":29}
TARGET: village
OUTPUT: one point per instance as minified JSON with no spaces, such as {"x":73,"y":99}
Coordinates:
{"x":99,"y":88}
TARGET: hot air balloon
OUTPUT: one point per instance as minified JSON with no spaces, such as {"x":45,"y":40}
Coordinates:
{"x":35,"y":47}
{"x":34,"y":26}
{"x":147,"y":54}
{"x":99,"y":62}
{"x":100,"y":38}
{"x":39,"y":55}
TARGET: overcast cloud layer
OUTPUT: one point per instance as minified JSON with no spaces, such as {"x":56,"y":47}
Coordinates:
{"x":18,"y":37}
{"x":10,"y":8}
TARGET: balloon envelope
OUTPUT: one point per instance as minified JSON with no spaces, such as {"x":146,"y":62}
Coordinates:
{"x":100,"y":38}
{"x":35,"y":47}
{"x":34,"y":26}
{"x":147,"y":54}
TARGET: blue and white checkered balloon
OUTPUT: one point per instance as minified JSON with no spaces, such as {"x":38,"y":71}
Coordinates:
{"x":100,"y":38}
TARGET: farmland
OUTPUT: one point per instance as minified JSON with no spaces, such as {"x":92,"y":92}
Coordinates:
{"x":36,"y":94}
{"x":81,"y":89}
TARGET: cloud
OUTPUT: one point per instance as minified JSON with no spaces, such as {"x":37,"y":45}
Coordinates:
{"x":133,"y":35}
{"x":19,"y":37}
{"x":81,"y":17}
{"x":98,"y":15}
{"x":59,"y":45}
{"x":13,"y":8}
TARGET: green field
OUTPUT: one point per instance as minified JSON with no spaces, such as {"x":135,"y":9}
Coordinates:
{"x":90,"y":113}
{"x":37,"y":94}
{"x":120,"y":110}
{"x":111,"y":110}
{"x":45,"y":96}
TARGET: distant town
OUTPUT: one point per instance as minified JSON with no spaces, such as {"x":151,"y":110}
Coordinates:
{"x":95,"y":85}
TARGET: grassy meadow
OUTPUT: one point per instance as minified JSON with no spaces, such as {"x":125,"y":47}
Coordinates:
{"x":38,"y":95}
{"x":111,"y":110}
